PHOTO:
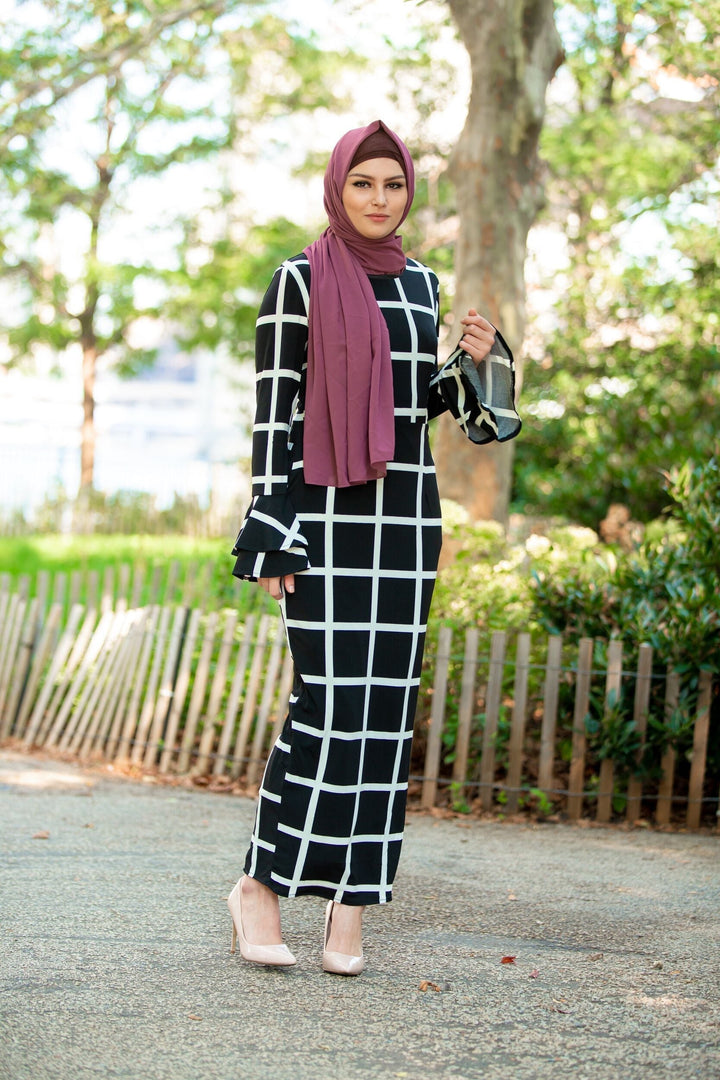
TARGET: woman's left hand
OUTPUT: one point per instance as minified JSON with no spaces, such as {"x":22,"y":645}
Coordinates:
{"x":478,"y":337}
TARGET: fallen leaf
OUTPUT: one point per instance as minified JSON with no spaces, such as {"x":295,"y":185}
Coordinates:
{"x":512,"y":896}
{"x":89,"y":826}
{"x":192,"y":1016}
{"x":533,"y":974}
{"x":427,"y":985}
{"x":43,"y":835}
{"x":508,"y":960}
{"x":595,"y":956}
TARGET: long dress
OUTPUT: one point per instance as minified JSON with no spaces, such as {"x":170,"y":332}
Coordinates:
{"x":331,"y":805}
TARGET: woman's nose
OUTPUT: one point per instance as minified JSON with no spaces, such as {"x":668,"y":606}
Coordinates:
{"x":379,"y":197}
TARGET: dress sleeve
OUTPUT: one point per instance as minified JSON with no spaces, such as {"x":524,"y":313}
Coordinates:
{"x":480,"y":397}
{"x":270,"y":542}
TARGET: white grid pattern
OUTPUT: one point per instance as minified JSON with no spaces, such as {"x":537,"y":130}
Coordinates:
{"x":331,"y":808}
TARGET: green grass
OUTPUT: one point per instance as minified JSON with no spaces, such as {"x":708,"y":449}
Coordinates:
{"x":27,"y":555}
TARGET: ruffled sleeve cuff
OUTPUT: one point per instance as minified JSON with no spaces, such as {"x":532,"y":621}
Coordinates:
{"x":481,"y":397}
{"x":270,"y":543}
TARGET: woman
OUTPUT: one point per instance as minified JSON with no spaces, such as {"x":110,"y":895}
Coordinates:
{"x":344,"y":531}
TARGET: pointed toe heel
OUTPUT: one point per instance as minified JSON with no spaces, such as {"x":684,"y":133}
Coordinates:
{"x":336,"y":963}
{"x":271,"y":955}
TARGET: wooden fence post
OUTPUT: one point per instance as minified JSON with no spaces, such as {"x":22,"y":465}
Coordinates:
{"x":20,"y":664}
{"x":251,"y":692}
{"x":699,"y":751}
{"x":263,"y":716}
{"x":576,"y":781}
{"x":107,"y":680}
{"x":197,"y":697}
{"x":36,"y":727}
{"x":87,"y":716}
{"x":663,"y":808}
{"x":640,"y":716}
{"x":613,"y":691}
{"x":42,"y":588}
{"x":207,"y":740}
{"x":138,"y":580}
{"x":123,"y":596}
{"x":165,"y":692}
{"x":60,"y":588}
{"x":8,"y":647}
{"x":517,"y":730}
{"x":78,"y":692}
{"x":92,"y":586}
{"x":550,"y":709}
{"x":74,"y":596}
{"x":236,"y":688}
{"x":182,"y":682}
{"x":173,"y":576}
{"x":108,"y":589}
{"x":149,"y":701}
{"x":68,"y":681}
{"x":40,"y":659}
{"x":128,"y":675}
{"x":437,"y":717}
{"x":148,"y":626}
{"x":465,"y":712}
{"x":492,"y":717}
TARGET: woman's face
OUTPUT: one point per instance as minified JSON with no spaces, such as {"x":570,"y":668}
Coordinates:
{"x":375,"y":196}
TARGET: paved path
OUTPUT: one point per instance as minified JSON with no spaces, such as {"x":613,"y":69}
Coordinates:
{"x":115,"y":940}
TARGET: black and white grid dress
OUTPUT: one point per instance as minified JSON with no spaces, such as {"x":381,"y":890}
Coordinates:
{"x":331,"y":805}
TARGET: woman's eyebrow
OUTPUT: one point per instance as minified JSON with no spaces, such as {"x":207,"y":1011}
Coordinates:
{"x":367,"y":176}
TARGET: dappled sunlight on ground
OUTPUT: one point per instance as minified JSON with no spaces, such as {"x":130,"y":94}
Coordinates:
{"x":17,"y":770}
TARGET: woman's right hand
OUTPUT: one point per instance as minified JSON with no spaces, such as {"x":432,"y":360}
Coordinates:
{"x":276,"y":586}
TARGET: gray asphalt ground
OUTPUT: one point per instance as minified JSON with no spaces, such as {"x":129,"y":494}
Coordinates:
{"x":115,"y":948}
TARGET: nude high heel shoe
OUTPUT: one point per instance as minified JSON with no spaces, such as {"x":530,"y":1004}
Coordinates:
{"x":275,"y":955}
{"x":339,"y":963}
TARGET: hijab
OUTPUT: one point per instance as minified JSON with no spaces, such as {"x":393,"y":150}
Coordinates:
{"x":349,"y":429}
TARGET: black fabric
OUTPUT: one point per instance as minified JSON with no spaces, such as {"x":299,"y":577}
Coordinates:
{"x":332,"y":802}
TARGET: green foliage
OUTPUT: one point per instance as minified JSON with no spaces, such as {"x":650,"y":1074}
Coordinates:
{"x":625,"y":385}
{"x":540,"y":802}
{"x":482,"y":583}
{"x":99,"y":105}
{"x":215,"y":293}
{"x":612,"y":734}
{"x":665,"y":594}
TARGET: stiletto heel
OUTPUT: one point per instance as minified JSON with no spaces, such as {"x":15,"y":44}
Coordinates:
{"x":339,"y":963}
{"x":274,"y":955}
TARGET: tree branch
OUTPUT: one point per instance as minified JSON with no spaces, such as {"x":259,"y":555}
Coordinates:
{"x":85,"y":67}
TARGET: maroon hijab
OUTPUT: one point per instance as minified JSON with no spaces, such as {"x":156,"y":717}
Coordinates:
{"x":349,"y":429}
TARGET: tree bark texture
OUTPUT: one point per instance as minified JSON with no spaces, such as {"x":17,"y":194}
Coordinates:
{"x":87,"y":439}
{"x":514,"y":50}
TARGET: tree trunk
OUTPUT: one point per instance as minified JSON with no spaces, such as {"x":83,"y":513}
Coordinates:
{"x":87,"y":437}
{"x":514,"y":51}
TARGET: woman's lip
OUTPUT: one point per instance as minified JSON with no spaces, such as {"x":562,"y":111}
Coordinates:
{"x":379,"y":217}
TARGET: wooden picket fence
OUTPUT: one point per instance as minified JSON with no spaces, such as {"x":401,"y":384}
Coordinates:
{"x":180,"y":690}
